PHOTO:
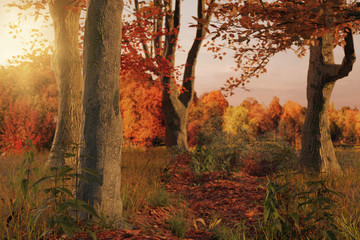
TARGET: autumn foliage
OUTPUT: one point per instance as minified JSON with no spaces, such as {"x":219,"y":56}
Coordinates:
{"x":140,"y":103}
{"x":206,"y":115}
{"x":28,"y":104}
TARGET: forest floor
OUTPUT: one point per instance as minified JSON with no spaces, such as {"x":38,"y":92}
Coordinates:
{"x":230,"y":199}
{"x":164,"y":198}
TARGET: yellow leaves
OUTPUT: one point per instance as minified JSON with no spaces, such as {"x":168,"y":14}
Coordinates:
{"x":39,"y":6}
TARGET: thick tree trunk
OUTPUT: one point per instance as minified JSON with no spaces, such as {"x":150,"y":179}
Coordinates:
{"x":317,"y":151}
{"x":101,"y":128}
{"x":175,"y":115}
{"x":67,"y":68}
{"x":175,"y":106}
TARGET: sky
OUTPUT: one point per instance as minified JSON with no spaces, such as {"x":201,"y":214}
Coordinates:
{"x":285,"y":77}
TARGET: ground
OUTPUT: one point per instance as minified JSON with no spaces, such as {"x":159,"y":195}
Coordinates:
{"x":233,"y":197}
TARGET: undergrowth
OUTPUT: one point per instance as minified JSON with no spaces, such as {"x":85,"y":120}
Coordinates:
{"x":40,"y":203}
{"x":297,"y":206}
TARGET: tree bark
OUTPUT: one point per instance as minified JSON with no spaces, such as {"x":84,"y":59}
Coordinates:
{"x":67,"y":69}
{"x":317,"y":151}
{"x":101,"y":128}
{"x":175,"y":105}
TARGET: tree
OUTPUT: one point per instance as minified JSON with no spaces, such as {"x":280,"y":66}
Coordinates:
{"x":28,"y":103}
{"x":335,"y":124}
{"x":176,"y":100}
{"x":274,"y":113}
{"x":140,"y":104}
{"x":176,"y":105}
{"x":206,"y":116}
{"x":291,"y":122}
{"x":258,"y":120}
{"x":67,"y":67}
{"x":282,"y":24}
{"x":101,"y":128}
{"x":236,"y":120}
{"x":317,"y":151}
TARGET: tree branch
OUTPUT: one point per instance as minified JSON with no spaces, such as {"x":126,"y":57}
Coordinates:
{"x":145,"y":47}
{"x":189,"y":72}
{"x":343,"y":70}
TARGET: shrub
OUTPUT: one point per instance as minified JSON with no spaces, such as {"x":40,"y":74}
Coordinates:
{"x":299,"y":207}
{"x":21,"y":122}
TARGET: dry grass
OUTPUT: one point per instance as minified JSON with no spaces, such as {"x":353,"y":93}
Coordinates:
{"x":141,"y":179}
{"x":142,"y":171}
{"x":141,"y":185}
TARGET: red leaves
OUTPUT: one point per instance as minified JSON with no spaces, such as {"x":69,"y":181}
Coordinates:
{"x":28,"y":105}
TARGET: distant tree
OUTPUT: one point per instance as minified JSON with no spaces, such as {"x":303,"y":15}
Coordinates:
{"x":140,"y":104}
{"x":258,"y":120}
{"x":335,"y":123}
{"x":21,"y":122}
{"x":349,"y":123}
{"x":357,"y":127}
{"x":274,"y":113}
{"x":28,"y":102}
{"x":291,"y":122}
{"x":237,"y":121}
{"x":206,"y":116}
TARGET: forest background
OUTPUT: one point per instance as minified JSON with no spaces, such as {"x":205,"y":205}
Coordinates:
{"x":29,"y":100}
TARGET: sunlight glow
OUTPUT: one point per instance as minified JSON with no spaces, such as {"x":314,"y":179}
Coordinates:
{"x":17,"y":37}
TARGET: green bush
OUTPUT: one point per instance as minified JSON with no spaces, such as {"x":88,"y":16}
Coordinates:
{"x":299,"y":210}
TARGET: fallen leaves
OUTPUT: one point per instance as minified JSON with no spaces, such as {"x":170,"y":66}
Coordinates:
{"x":232,"y":197}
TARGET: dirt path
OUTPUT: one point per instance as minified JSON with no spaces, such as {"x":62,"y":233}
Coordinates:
{"x":234,"y":197}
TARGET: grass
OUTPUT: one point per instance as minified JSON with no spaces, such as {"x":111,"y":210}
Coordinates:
{"x":177,"y":224}
{"x":141,"y":179}
{"x":142,"y":186}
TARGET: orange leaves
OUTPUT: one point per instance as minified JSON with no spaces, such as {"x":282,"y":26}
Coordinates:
{"x":256,"y":30}
{"x":205,"y":115}
{"x":28,"y":104}
{"x":140,"y":103}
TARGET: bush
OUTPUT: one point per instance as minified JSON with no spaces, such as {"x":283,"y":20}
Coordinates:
{"x":299,"y":207}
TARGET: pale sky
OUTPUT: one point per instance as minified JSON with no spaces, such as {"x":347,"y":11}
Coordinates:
{"x":285,"y":78}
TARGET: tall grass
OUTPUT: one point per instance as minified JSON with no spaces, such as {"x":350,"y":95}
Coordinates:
{"x":297,"y":206}
{"x":16,"y":208}
{"x":141,"y":179}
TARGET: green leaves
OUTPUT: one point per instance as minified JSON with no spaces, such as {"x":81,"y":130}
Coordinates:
{"x":59,"y":207}
{"x":302,"y":209}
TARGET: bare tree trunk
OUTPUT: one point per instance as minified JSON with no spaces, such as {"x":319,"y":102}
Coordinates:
{"x":101,"y":128}
{"x":176,"y":105}
{"x":317,"y":151}
{"x":67,"y":68}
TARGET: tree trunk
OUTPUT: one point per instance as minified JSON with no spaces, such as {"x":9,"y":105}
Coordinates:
{"x":317,"y":151}
{"x":176,"y":105}
{"x":101,"y":128}
{"x":67,"y":69}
